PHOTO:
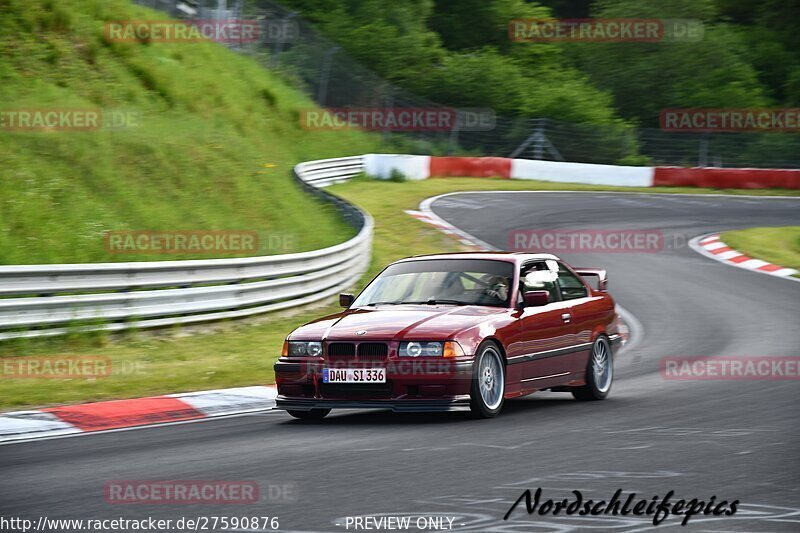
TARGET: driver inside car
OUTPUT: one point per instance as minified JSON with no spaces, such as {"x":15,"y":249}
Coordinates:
{"x":496,"y":287}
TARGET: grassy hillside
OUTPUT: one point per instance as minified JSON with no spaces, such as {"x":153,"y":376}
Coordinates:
{"x":776,"y":245}
{"x":213,"y":143}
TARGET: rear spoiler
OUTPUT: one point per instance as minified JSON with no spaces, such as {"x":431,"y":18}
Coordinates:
{"x":600,"y":273}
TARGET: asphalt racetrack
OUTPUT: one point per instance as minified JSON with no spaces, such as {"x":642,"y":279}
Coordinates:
{"x":736,"y":440}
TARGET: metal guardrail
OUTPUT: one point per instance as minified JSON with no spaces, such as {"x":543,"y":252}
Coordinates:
{"x":35,"y":300}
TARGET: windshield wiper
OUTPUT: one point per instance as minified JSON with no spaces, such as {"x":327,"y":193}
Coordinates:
{"x":436,"y":301}
{"x":432,"y":301}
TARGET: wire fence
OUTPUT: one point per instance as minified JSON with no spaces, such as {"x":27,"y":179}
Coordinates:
{"x":323,"y":70}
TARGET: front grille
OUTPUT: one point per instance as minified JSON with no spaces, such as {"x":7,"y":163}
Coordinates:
{"x":342,"y":350}
{"x":372,"y":351}
{"x":367,"y":351}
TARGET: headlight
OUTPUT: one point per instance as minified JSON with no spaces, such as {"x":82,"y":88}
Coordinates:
{"x":430,"y":349}
{"x":421,"y":349}
{"x":304,"y":349}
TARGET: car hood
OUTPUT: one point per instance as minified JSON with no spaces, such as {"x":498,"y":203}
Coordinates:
{"x":419,"y":322}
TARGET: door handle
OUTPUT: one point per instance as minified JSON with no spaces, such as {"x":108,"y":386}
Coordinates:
{"x":566,"y":317}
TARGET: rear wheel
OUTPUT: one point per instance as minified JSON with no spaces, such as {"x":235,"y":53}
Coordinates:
{"x":313,"y":414}
{"x":488,"y":382}
{"x":599,"y":373}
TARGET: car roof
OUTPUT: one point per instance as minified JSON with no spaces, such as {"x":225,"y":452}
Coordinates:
{"x":511,"y":257}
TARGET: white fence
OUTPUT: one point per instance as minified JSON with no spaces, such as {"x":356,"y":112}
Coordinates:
{"x":41,"y":300}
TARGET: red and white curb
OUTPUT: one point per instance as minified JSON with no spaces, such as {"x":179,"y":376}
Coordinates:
{"x":711,"y":246}
{"x":122,"y":414}
{"x":426,"y":215}
{"x":442,"y":226}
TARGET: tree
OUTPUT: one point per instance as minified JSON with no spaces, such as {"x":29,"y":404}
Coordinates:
{"x":646,"y":78}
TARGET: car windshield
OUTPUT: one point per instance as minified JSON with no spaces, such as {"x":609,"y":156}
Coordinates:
{"x":441,"y":281}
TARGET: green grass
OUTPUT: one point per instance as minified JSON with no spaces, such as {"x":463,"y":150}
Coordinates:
{"x":215,"y":139}
{"x":780,"y":246}
{"x":239,"y":354}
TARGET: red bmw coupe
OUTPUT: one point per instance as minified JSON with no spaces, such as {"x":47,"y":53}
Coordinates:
{"x":455,"y":331}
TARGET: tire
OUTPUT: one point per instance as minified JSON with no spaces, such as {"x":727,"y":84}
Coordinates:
{"x":314,"y":415}
{"x":599,"y":372}
{"x":488,"y":382}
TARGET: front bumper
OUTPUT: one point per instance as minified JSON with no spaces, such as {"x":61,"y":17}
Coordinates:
{"x":411,"y":386}
{"x":402,"y":405}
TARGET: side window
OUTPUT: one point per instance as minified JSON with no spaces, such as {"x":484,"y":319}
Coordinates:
{"x":539,"y":277}
{"x":571,"y":287}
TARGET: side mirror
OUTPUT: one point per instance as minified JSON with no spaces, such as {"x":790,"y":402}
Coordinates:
{"x":593,"y":274}
{"x":346,"y":300}
{"x":536,"y":298}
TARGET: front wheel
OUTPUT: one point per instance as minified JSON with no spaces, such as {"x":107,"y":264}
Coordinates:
{"x":599,"y":373}
{"x":311,"y":415}
{"x":488,"y":382}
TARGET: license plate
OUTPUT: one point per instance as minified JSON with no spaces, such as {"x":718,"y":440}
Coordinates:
{"x":354,"y":375}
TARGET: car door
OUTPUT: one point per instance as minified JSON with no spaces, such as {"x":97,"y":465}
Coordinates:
{"x":582,"y":317}
{"x":542,"y":333}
